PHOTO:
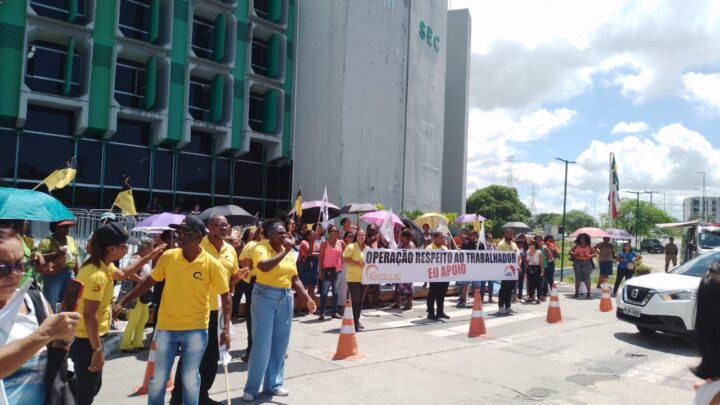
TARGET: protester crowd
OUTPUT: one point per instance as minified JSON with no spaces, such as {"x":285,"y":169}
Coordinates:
{"x":197,"y":275}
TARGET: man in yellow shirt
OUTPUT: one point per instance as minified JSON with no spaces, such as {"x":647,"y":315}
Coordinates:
{"x":190,"y":275}
{"x":506,"y":286}
{"x":214,"y":243}
{"x":437,"y":291}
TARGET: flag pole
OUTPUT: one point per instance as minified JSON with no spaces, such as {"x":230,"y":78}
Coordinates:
{"x":611,"y":193}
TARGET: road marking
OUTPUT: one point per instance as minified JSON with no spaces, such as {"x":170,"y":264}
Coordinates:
{"x":493,"y":322}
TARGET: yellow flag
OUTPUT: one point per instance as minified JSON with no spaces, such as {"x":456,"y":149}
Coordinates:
{"x":476,"y":224}
{"x":61,"y":178}
{"x":298,"y":204}
{"x":125,"y":200}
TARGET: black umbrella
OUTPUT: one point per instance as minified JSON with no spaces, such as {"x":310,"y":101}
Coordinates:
{"x":358,"y":208}
{"x":517,"y":227}
{"x":311,"y":211}
{"x":235,"y":215}
{"x":416,"y":231}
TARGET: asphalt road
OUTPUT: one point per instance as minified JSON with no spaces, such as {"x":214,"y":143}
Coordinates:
{"x":589,"y":358}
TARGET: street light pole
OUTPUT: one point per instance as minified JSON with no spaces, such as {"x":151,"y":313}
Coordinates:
{"x":637,"y":214}
{"x":562,"y":242}
{"x":704,"y":214}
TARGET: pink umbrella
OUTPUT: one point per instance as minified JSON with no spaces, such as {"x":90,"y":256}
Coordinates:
{"x":593,"y":232}
{"x":378,"y":217}
{"x":463,"y":219}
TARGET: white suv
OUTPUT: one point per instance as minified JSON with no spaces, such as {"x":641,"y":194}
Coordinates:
{"x":664,"y":301}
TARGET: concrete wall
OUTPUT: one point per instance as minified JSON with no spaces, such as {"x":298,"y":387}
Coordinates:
{"x":351,"y":113}
{"x":456,"y":111}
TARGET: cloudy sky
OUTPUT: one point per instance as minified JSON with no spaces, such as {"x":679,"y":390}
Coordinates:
{"x":580,"y":79}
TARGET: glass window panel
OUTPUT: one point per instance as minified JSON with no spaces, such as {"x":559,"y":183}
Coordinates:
{"x":200,"y":92}
{"x":272,"y":186}
{"x":88,"y":197}
{"x":255,"y":111}
{"x":7,"y":152}
{"x":202,"y":37}
{"x":134,"y":17}
{"x":248,"y":180}
{"x":132,"y":132}
{"x":261,"y":8}
{"x":276,"y":209}
{"x":251,"y":206}
{"x":40,"y":155}
{"x":221,"y":200}
{"x":129,"y":83}
{"x":163,"y":170}
{"x":259,"y":57}
{"x":89,"y":161}
{"x":194,"y":173}
{"x":186,"y":202}
{"x":121,"y":161}
{"x":48,"y":120}
{"x":164,"y":199}
{"x":222,"y":176}
{"x":200,"y":142}
{"x":50,"y":8}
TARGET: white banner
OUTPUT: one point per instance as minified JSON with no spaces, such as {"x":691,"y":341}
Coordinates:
{"x":419,"y":265}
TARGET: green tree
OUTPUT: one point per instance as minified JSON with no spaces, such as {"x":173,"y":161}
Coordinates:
{"x":499,"y":203}
{"x":411,"y":214}
{"x":576,"y":219}
{"x":546,"y":218}
{"x":650,"y":215}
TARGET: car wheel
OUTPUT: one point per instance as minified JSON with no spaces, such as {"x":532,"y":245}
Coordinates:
{"x":645,"y":331}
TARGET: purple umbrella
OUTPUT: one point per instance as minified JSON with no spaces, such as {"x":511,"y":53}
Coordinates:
{"x":463,"y":219}
{"x":378,"y":217}
{"x":618,"y":233}
{"x":158,"y":222}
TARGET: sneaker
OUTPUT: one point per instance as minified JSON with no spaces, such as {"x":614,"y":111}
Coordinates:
{"x":443,"y":316}
{"x":247,"y":397}
{"x":432,"y":317}
{"x":502,"y":311}
{"x":360,"y":326}
{"x":460,"y":304}
{"x":511,"y":311}
{"x":280,"y":392}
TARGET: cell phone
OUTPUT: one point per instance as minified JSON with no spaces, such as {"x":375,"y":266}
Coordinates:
{"x":73,"y":292}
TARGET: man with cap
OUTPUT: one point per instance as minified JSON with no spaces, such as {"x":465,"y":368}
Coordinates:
{"x":214,"y":244}
{"x":191,"y":275}
{"x":60,"y":251}
{"x":109,"y":243}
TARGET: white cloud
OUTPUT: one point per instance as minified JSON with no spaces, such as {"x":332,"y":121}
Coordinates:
{"x":634,"y":127}
{"x":703,"y":89}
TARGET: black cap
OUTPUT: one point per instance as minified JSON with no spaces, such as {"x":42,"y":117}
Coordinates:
{"x":190,"y":223}
{"x":111,"y":234}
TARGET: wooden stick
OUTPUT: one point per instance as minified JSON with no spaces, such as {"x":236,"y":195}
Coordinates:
{"x":227,"y":384}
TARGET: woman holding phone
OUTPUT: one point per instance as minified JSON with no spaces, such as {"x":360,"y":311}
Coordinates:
{"x":626,"y":265}
{"x":108,"y":244}
{"x":272,"y":310}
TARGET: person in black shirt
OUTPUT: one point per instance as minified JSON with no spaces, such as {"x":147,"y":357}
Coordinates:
{"x":471,"y":243}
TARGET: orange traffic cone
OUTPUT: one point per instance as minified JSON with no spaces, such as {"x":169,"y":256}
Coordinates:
{"x":605,"y":301}
{"x":477,"y":321}
{"x":149,"y":371}
{"x":553,"y":313}
{"x":347,"y":348}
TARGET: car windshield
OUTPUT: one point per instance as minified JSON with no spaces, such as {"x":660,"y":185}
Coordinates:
{"x":709,"y":238}
{"x":697,"y":266}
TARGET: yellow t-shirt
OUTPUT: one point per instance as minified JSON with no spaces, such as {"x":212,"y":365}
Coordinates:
{"x":48,"y":245}
{"x":185,"y":302}
{"x":98,"y":287}
{"x":354,"y":272}
{"x":227,"y":257}
{"x":281,"y":275}
{"x":433,"y":246}
{"x":247,"y":254}
{"x":507,"y":247}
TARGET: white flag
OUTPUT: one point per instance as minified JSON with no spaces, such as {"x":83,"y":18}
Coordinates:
{"x":7,"y":319}
{"x":481,"y":237}
{"x":324,"y":207}
{"x":387,"y":230}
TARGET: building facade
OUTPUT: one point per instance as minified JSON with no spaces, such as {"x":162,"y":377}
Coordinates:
{"x":693,"y":209}
{"x":191,"y":99}
{"x":371,"y":108}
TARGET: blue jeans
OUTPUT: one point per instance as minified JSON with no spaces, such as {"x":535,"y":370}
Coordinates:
{"x":490,"y":289}
{"x":54,"y":286}
{"x":549,"y":277}
{"x":167,"y":343}
{"x":272,"y":311}
{"x":325,"y":288}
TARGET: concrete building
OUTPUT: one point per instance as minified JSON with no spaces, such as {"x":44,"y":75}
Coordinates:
{"x":371,"y":102}
{"x":693,"y":209}
{"x":191,"y":99}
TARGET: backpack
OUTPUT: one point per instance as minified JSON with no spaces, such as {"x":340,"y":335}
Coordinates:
{"x":60,"y":384}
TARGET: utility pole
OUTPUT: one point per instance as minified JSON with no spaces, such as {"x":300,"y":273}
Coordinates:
{"x":637,"y":214}
{"x":562,"y":232}
{"x":651,"y":195}
{"x":704,"y":214}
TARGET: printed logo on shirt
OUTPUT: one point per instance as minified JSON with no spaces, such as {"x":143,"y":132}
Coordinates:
{"x":198,"y":276}
{"x":96,"y":288}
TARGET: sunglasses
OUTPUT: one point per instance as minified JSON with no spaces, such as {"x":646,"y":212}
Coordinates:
{"x":6,"y":267}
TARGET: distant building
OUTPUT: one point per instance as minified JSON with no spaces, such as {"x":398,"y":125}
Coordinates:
{"x":693,"y":209}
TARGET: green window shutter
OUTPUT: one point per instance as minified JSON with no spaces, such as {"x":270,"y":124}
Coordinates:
{"x":72,"y":10}
{"x":273,"y":56}
{"x":270,"y":104}
{"x":154,"y":21}
{"x":219,"y":38}
{"x":274,"y":10}
{"x":69,"y":65}
{"x":150,"y":81}
{"x":216,"y":98}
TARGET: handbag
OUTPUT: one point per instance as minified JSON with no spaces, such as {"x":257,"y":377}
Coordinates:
{"x":329,"y":274}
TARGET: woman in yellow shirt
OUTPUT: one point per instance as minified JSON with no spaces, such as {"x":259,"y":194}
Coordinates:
{"x":353,"y":257}
{"x":272,"y":310}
